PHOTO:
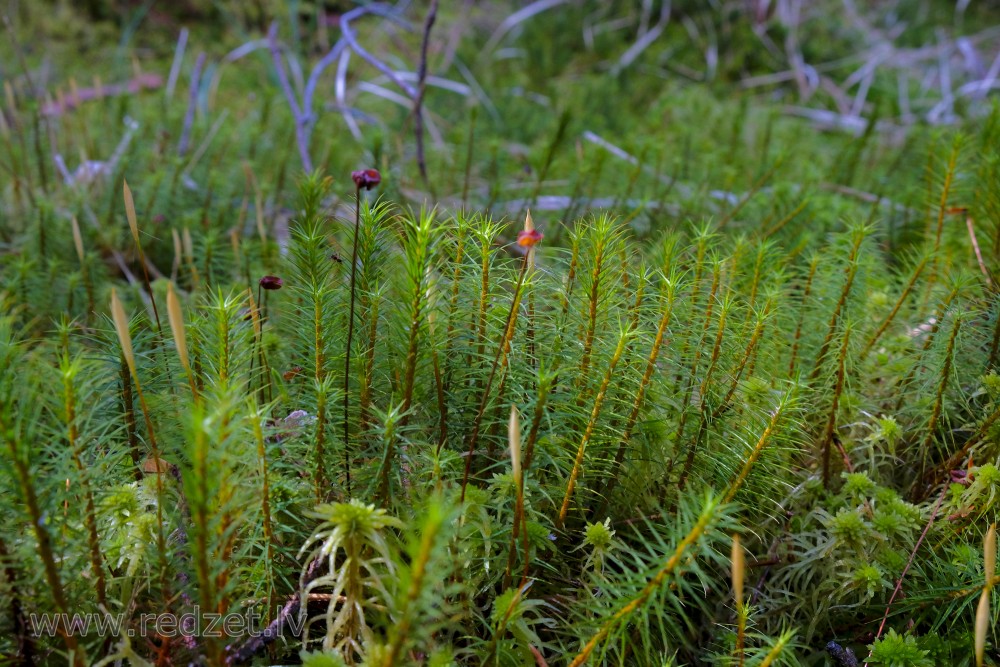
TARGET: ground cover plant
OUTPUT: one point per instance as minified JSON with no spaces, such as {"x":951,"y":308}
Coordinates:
{"x":556,"y":333}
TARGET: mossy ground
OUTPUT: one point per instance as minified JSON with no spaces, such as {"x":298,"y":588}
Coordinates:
{"x":738,"y":321}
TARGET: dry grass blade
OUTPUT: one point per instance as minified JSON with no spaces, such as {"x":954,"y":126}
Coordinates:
{"x":982,"y":626}
{"x":738,"y":570}
{"x":188,"y":245}
{"x":983,"y":610}
{"x":517,"y":18}
{"x":979,"y":253}
{"x":77,"y":239}
{"x":990,"y":553}
{"x":176,"y":317}
{"x":644,"y":41}
{"x":514,"y":437}
{"x":130,"y":212}
{"x":134,"y":227}
{"x":178,"y":253}
{"x":121,"y":328}
{"x":520,"y":527}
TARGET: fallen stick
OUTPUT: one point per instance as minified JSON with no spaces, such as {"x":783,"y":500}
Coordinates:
{"x":237,"y":655}
{"x":138,"y":84}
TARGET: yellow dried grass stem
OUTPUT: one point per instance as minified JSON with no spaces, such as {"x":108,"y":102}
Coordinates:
{"x":990,"y":554}
{"x":514,"y":437}
{"x":77,"y":239}
{"x":737,"y":570}
{"x":130,"y":213}
{"x":982,"y":626}
{"x":121,"y":328}
{"x":520,"y":524}
{"x":176,"y":317}
{"x":737,"y":574}
{"x":983,"y":610}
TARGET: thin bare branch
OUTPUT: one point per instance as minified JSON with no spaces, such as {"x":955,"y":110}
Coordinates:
{"x":175,"y":67}
{"x":518,"y":17}
{"x":352,"y":41}
{"x":301,"y":134}
{"x":645,"y":40}
{"x":340,"y":91}
{"x":185,"y":139}
{"x":418,"y":103}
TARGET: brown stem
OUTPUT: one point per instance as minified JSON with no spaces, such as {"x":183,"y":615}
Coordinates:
{"x":159,"y":464}
{"x":831,"y":422}
{"x":995,"y":344}
{"x":25,"y":639}
{"x":899,"y":304}
{"x":130,"y":430}
{"x":595,"y":286}
{"x":754,"y":189}
{"x":501,"y":356}
{"x":544,"y":386}
{"x":449,"y":335}
{"x":468,"y":155}
{"x":703,"y":389}
{"x":484,"y":294}
{"x":957,"y":458}
{"x":788,"y":218}
{"x":589,"y":431}
{"x":928,"y":341}
{"x":442,"y":403}
{"x":258,"y":345}
{"x":852,"y":270}
{"x":699,"y":269}
{"x":350,"y":336}
{"x":941,"y":212}
{"x":942,"y":387}
{"x":748,"y":465}
{"x":418,"y":104}
{"x":418,"y":571}
{"x":366,"y":381}
{"x":747,"y":354}
{"x":90,"y":514}
{"x":42,"y":537}
{"x":796,"y":339}
{"x":979,"y":253}
{"x":265,"y":504}
{"x":571,"y":274}
{"x":909,"y":562}
{"x":945,"y":191}
{"x":319,"y":450}
{"x":640,"y":398}
{"x":689,"y":390}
